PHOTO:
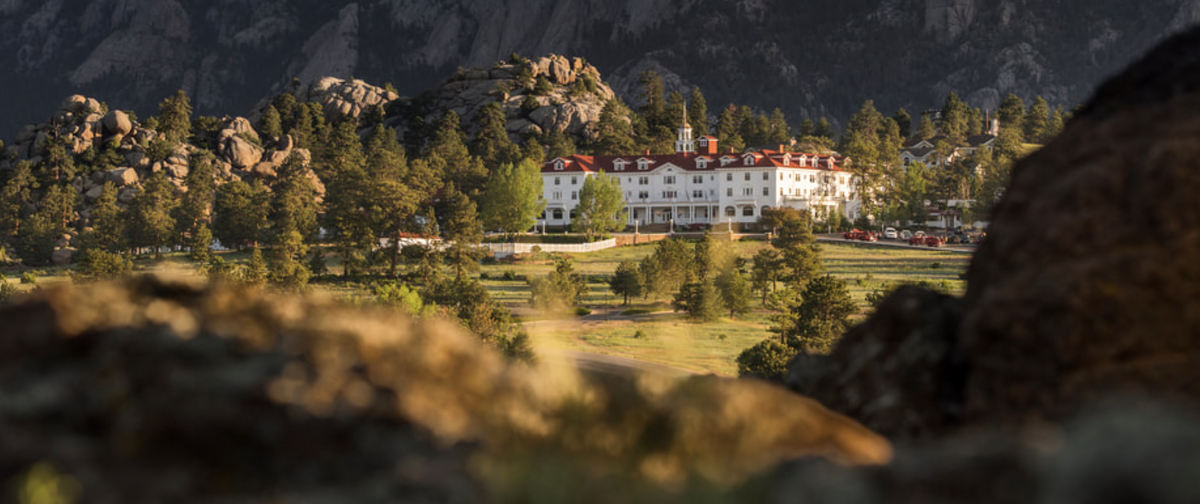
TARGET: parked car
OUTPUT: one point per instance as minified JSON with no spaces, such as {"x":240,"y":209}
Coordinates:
{"x":905,"y":235}
{"x":858,"y":234}
{"x":890,"y":233}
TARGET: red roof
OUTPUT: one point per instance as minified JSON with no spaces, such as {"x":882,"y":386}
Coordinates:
{"x":687,"y":162}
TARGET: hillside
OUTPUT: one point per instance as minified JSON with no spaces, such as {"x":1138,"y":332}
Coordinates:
{"x":810,"y":58}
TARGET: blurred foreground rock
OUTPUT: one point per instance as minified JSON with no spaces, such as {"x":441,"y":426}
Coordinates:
{"x":155,"y":391}
{"x":1086,"y":286}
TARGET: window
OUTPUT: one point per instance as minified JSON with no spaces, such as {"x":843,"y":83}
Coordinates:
{"x":730,"y":211}
{"x":669,"y":179}
{"x":574,"y":195}
{"x":643,"y":194}
{"x":557,"y":180}
{"x":701,"y":164}
{"x":747,"y":191}
{"x":729,"y":191}
{"x":746,"y":176}
{"x":669,"y":194}
{"x":574,"y":180}
{"x":558,"y":214}
{"x":643,"y":180}
{"x":697,"y":194}
{"x":697,"y":179}
{"x":557,"y":195}
{"x":748,"y":211}
{"x":643,"y":164}
{"x":766,"y":176}
{"x":620,"y":164}
{"x":558,"y":165}
{"x":729,"y":177}
{"x":766,"y":191}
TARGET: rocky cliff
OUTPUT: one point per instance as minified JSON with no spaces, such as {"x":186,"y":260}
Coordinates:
{"x":816,"y":57}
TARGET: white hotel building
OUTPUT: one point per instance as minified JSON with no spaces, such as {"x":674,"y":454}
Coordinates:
{"x":698,"y":184}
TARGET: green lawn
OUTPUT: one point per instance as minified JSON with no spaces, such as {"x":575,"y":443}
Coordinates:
{"x":668,"y":338}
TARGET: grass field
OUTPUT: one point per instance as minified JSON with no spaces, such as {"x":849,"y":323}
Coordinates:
{"x":666,"y":338}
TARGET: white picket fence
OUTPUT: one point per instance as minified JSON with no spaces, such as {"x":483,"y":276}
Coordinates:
{"x":508,"y":249}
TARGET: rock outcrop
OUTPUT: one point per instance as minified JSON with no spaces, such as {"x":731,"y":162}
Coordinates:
{"x":511,"y":85}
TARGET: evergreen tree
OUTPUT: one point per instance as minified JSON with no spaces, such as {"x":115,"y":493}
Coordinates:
{"x":615,"y":130}
{"x":239,"y":212}
{"x":396,"y":192}
{"x":904,"y":121}
{"x":824,"y":129}
{"x":532,"y":150}
{"x":16,"y":197}
{"x":767,"y":271}
{"x":795,"y":242}
{"x":107,"y":222}
{"x":34,"y":241}
{"x":654,"y":109}
{"x":1055,"y":125}
{"x":99,"y":264}
{"x":1037,"y":121}
{"x":271,"y":124}
{"x":195,"y":206}
{"x":59,"y":165}
{"x":491,"y":143}
{"x":955,"y":119}
{"x":462,"y":232}
{"x":626,"y":281}
{"x":726,"y":124}
{"x":559,"y":145}
{"x":667,"y":269}
{"x":768,"y":360}
{"x":1011,"y":112}
{"x":601,"y":207}
{"x":513,"y":200}
{"x":700,"y":299}
{"x":150,"y":221}
{"x":447,"y":153}
{"x":913,"y":192}
{"x":674,"y":112}
{"x":735,"y":291}
{"x":256,"y":272}
{"x":175,"y":117}
{"x":926,"y":130}
{"x":200,"y":244}
{"x":347,"y":195}
{"x":698,"y":112}
{"x":818,"y":317}
{"x":562,"y":288}
{"x":807,"y":128}
{"x":975,"y":124}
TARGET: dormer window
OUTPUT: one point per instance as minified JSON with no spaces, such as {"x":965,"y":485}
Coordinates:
{"x":619,"y":164}
{"x":701,"y":163}
{"x":749,"y":159}
{"x":787,"y":159}
{"x":726,"y":160}
{"x":643,"y":164}
{"x":558,"y":165}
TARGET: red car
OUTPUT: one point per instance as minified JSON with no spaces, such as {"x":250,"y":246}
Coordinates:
{"x":858,"y":234}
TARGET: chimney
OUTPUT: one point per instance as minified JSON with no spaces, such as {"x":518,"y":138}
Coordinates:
{"x":782,"y":148}
{"x":708,"y":146}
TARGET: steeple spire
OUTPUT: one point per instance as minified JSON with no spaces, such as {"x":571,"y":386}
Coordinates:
{"x":684,"y":143}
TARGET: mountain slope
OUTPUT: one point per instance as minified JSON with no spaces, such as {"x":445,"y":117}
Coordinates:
{"x":815,"y":57}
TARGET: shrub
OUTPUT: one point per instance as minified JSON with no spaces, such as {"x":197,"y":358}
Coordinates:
{"x":29,"y":278}
{"x":722,"y":337}
{"x":639,"y":334}
{"x":637,"y":311}
{"x":582,"y":311}
{"x":935,"y":265}
{"x":509,"y":275}
{"x":767,"y":360}
{"x":484,"y":276}
{"x":96,"y":264}
{"x":530,"y":104}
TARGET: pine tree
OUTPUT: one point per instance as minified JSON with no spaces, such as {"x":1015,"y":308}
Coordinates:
{"x":447,"y":153}
{"x":926,"y":130}
{"x":175,"y":117}
{"x":271,"y":124}
{"x":824,"y":129}
{"x":816,"y":318}
{"x":796,"y":243}
{"x":559,"y":145}
{"x":107,"y":222}
{"x":16,"y":197}
{"x":195,"y":206}
{"x":1037,"y":121}
{"x":240,"y":212}
{"x":347,"y":193}
{"x":767,"y":271}
{"x":491,"y":143}
{"x":955,"y":119}
{"x":615,"y":130}
{"x":462,"y":232}
{"x":700,"y":299}
{"x":1011,"y":112}
{"x":255,"y":272}
{"x":904,"y":121}
{"x":150,"y":221}
{"x":626,"y":281}
{"x":391,"y":186}
{"x":735,"y":291}
{"x":654,"y":109}
{"x":513,"y":200}
{"x":698,"y":112}
{"x":779,"y":131}
{"x":200,"y":244}
{"x":601,"y":207}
